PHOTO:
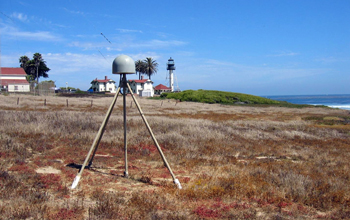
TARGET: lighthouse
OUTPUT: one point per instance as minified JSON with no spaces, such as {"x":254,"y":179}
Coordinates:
{"x":171,"y":67}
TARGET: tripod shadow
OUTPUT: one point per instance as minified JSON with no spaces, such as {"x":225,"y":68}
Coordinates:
{"x":76,"y":166}
{"x":79,"y":166}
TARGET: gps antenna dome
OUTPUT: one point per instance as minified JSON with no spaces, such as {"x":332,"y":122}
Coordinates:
{"x":123,"y":64}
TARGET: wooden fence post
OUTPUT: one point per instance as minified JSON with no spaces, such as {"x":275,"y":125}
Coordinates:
{"x":45,"y":102}
{"x":17,"y":101}
{"x":67,"y":102}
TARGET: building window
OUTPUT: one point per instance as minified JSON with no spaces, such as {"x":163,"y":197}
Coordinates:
{"x":16,"y":88}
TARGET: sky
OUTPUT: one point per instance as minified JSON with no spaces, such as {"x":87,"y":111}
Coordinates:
{"x":258,"y":47}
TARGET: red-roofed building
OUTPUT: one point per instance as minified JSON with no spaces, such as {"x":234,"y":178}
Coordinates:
{"x":142,"y":87}
{"x":103,"y":85}
{"x":160,"y":89}
{"x":13,"y":79}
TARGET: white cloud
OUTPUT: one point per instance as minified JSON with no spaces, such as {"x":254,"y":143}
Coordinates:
{"x":68,"y":63}
{"x":128,"y":31}
{"x":185,"y":53}
{"x":211,"y":71}
{"x":19,"y":16}
{"x":142,"y":56}
{"x":101,"y":46}
{"x":124,"y":44}
{"x":158,"y":44}
{"x":38,"y":36}
{"x":284,"y":54}
{"x":74,"y":12}
{"x":27,"y":35}
{"x":10,"y":60}
{"x":330,"y":60}
{"x":87,"y":45}
{"x":77,"y":69}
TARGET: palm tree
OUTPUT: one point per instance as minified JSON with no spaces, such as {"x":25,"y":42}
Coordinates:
{"x":25,"y":64}
{"x":151,"y":66}
{"x":23,"y":60}
{"x":37,"y":60}
{"x":140,"y":67}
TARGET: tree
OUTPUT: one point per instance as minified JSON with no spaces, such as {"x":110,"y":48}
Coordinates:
{"x":151,"y":66}
{"x":34,"y":68}
{"x":140,"y":67}
{"x":24,"y":62}
{"x":37,"y":59}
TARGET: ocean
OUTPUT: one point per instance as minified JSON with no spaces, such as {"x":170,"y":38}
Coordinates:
{"x":333,"y":101}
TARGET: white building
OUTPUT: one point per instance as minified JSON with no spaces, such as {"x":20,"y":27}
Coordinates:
{"x":13,"y":79}
{"x":142,"y":87}
{"x":103,"y":85}
{"x":158,"y":90}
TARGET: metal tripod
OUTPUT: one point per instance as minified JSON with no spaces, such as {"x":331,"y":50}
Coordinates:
{"x":99,"y":135}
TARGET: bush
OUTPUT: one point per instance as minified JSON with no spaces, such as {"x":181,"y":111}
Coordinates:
{"x":212,"y":96}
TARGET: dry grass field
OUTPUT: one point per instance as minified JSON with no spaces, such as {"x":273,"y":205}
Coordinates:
{"x":234,"y":162}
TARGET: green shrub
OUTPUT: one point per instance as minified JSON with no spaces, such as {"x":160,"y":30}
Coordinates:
{"x":212,"y":96}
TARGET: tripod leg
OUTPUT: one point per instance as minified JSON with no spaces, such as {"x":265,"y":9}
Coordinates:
{"x":176,"y":181}
{"x":96,"y":141}
{"x":126,"y":173}
{"x":93,"y":154}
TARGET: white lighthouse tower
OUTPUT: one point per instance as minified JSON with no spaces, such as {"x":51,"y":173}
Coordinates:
{"x":171,"y":67}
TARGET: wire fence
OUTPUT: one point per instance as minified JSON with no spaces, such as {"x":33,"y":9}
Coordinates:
{"x":46,"y":89}
{"x":42,"y":89}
